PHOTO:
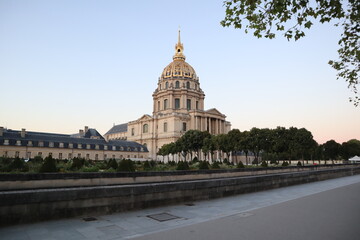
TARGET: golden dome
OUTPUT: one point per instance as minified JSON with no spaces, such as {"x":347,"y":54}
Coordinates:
{"x":178,"y":68}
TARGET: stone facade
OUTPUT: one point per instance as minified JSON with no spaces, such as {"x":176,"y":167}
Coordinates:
{"x":178,"y":106}
{"x":88,"y":144}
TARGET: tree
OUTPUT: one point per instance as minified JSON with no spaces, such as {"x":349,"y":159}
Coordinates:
{"x":331,"y":150}
{"x":265,"y":17}
{"x":350,"y":148}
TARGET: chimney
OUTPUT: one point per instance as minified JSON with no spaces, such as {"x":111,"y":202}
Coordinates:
{"x":86,"y":129}
{"x":23,"y":132}
{"x":81,"y":132}
{"x":1,"y":131}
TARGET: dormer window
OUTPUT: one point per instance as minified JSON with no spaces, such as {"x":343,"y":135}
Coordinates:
{"x":29,"y":144}
{"x":51,"y":144}
{"x":61,"y":145}
{"x":41,"y":144}
{"x":79,"y":146}
{"x":105,"y":148}
{"x":114,"y":148}
{"x":6,"y":142}
{"x":88,"y":146}
{"x":18,"y":143}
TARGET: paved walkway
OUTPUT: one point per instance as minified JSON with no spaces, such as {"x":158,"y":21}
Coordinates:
{"x":260,"y":215}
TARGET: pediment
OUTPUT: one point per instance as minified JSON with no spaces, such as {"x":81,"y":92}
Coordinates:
{"x":145,"y":117}
{"x":214,"y":111}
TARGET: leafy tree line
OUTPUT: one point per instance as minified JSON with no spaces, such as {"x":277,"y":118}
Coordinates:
{"x":270,"y":144}
{"x":265,"y":18}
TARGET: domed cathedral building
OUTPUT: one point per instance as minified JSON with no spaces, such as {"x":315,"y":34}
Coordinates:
{"x":178,"y":106}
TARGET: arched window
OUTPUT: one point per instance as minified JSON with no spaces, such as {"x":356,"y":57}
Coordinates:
{"x":177,"y":103}
{"x":188,"y":85}
{"x":165,"y":127}
{"x":166,"y":85}
{"x":145,"y":128}
{"x":188,"y":104}
{"x":165,"y":104}
{"x":177,"y":84}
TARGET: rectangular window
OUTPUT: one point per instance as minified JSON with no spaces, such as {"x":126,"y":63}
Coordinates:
{"x":177,"y":103}
{"x":114,"y":148}
{"x":79,"y":155}
{"x":121,"y":156}
{"x":105,"y":156}
{"x":28,"y":155}
{"x":69,"y":156}
{"x":17,"y":154}
{"x":79,"y":146}
{"x":60,"y":156}
{"x":132,"y":132}
{"x":30,"y":143}
{"x":61,"y":145}
{"x":40,"y":154}
{"x":88,"y":146}
{"x":165,"y":104}
{"x":51,"y":144}
{"x":184,"y":127}
{"x":18,"y":143}
{"x":197,"y":105}
{"x":41,"y":144}
{"x":50,"y":154}
{"x":87,"y":156}
{"x":165,"y":127}
{"x":96,"y":156}
{"x":6,"y":142}
{"x":71,"y":145}
{"x":113,"y":156}
{"x":188,"y":104}
{"x":158,"y":105}
{"x":5,"y":154}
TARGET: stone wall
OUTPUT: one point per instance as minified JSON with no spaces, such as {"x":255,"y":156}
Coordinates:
{"x":31,"y":205}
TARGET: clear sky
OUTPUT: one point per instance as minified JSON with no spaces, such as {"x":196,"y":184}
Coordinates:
{"x":69,"y":64}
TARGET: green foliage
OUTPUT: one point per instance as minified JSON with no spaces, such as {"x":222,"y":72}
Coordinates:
{"x":215,"y":165}
{"x":49,"y":165}
{"x":77,"y":163}
{"x":18,"y":165}
{"x":182,"y":165}
{"x":112,"y":163}
{"x":285,"y":164}
{"x":266,"y":17}
{"x":90,"y":169}
{"x":240,"y":165}
{"x":203,"y":165}
{"x":126,"y":165}
{"x":264,"y":164}
{"x":37,"y":159}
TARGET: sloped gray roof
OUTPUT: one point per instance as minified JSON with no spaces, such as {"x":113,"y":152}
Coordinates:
{"x":13,"y":136}
{"x":118,"y":128}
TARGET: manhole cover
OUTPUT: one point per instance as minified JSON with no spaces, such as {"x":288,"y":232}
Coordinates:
{"x":162,"y":217}
{"x":245,"y":214}
{"x":189,"y":204}
{"x":88,"y":219}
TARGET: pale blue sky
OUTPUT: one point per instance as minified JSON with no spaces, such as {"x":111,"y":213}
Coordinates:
{"x":67,"y":64}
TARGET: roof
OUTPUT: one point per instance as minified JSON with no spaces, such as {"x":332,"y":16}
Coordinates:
{"x":355,"y":158}
{"x":118,"y":129}
{"x":41,"y":139}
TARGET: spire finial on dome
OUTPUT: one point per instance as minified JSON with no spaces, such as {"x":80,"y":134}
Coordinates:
{"x":179,"y":48}
{"x":179,"y":36}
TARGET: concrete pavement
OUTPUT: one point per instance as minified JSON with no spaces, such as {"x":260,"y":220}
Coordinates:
{"x":320,"y":210}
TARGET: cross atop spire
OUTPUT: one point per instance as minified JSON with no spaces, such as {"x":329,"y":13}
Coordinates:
{"x":179,"y":48}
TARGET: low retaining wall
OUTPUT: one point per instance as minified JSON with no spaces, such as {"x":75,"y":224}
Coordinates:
{"x":42,"y":204}
{"x":60,"y":180}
